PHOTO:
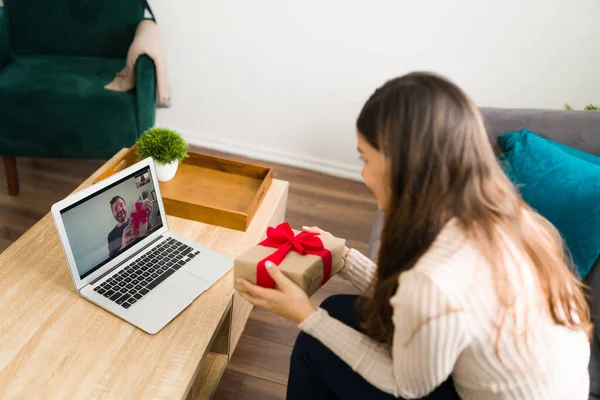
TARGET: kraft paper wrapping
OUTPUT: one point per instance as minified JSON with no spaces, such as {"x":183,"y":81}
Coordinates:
{"x":306,"y":271}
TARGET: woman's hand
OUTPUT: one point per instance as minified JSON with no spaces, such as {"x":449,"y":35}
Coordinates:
{"x":319,"y":231}
{"x":287,"y":301}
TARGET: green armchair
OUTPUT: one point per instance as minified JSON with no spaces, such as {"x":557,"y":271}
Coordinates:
{"x":56,"y":56}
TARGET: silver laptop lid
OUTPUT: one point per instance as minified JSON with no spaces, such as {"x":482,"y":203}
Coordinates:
{"x":106,"y":223}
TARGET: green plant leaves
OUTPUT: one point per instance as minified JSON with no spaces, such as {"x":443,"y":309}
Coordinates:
{"x":164,"y":145}
{"x":589,"y":107}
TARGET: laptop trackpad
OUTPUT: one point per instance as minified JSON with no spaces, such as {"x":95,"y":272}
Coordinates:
{"x":209,"y":266}
{"x":183,"y":288}
{"x":166,"y":301}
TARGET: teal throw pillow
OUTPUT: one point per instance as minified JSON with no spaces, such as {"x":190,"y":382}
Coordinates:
{"x":562,"y":184}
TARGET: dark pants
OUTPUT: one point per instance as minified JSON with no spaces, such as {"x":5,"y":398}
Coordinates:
{"x":317,"y":373}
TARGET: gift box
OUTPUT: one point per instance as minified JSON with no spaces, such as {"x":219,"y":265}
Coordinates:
{"x":306,"y":258}
{"x":139,"y":219}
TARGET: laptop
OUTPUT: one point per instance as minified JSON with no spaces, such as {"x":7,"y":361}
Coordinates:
{"x":122,"y":255}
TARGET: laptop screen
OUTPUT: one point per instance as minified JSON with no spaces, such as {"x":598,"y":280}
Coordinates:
{"x":110,"y":221}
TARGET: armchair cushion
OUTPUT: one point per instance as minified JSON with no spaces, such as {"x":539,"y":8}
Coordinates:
{"x":91,"y":28}
{"x":57,"y":107}
{"x":145,"y":72}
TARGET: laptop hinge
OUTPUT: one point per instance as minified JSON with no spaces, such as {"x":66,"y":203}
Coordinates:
{"x":125,"y":260}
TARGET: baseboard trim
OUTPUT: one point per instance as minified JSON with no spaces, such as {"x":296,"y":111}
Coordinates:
{"x":303,"y":161}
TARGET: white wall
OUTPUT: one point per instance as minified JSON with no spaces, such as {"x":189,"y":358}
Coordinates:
{"x":285,"y":79}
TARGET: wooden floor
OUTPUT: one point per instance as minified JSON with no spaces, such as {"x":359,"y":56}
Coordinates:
{"x":260,"y":364}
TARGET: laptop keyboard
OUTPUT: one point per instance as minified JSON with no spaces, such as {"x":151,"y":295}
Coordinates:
{"x":136,"y":280}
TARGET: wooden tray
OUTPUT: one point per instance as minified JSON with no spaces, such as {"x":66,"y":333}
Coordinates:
{"x":209,"y":189}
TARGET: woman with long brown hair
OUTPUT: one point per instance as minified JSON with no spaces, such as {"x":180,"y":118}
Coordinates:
{"x":472,"y":296}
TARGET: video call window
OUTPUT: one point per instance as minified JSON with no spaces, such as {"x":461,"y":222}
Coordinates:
{"x":111,"y":221}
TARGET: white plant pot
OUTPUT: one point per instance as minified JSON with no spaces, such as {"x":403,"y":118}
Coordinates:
{"x":166,"y":172}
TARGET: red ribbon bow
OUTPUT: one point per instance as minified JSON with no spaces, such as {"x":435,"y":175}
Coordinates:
{"x":140,"y":216}
{"x":282,"y":238}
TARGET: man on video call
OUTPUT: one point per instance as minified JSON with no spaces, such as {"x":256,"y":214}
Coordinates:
{"x":123,"y":234}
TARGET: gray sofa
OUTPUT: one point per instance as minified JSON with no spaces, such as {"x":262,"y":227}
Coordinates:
{"x":579,"y":129}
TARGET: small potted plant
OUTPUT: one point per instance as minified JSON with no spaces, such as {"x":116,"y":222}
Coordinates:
{"x":166,"y":147}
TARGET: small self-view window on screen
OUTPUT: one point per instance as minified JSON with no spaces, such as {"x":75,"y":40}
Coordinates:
{"x":102,"y":226}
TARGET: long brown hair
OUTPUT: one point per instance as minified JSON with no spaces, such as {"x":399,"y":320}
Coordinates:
{"x":442,"y":167}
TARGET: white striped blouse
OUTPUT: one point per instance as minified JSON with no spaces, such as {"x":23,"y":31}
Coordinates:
{"x":446,"y":314}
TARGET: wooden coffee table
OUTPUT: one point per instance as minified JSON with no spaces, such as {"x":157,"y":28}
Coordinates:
{"x":55,"y":344}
